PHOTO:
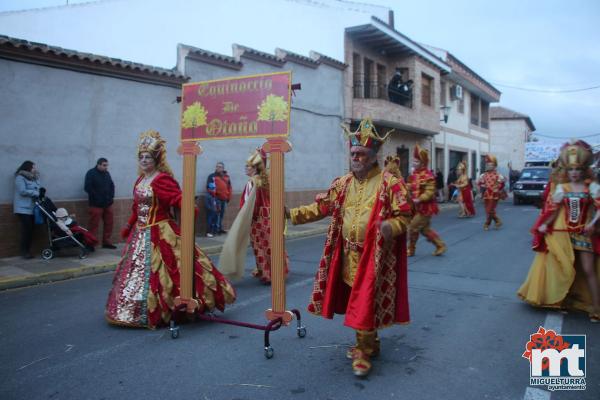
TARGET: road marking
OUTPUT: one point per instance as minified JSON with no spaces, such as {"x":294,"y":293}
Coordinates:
{"x":554,"y":322}
{"x":536,"y":394}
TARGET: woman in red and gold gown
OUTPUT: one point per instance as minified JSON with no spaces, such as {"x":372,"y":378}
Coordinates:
{"x":565,"y":273}
{"x":147,"y":280}
{"x":253,"y":222}
{"x":465,"y":192}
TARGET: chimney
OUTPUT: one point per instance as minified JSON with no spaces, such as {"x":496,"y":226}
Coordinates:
{"x":391,"y":18}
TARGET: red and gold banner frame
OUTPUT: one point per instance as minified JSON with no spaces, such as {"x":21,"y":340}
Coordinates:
{"x":249,"y":106}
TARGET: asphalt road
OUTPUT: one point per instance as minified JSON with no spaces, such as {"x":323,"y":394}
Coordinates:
{"x":465,"y":341}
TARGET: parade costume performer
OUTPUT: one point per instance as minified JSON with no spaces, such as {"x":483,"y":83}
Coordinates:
{"x":465,"y":192}
{"x":491,"y":183}
{"x":565,"y":272}
{"x":254,"y":222}
{"x":147,"y":279}
{"x":421,"y":185}
{"x":363,"y":270}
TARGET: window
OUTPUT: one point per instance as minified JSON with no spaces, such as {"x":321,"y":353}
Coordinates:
{"x":474,"y":109}
{"x":461,"y":105}
{"x":485,"y":114}
{"x":400,"y":88}
{"x":356,"y":76}
{"x":368,"y":78}
{"x":426,"y":90}
{"x":381,"y":81}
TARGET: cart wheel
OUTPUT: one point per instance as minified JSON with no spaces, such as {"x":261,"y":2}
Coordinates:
{"x":47,"y":254}
{"x":174,"y":330}
{"x":301,"y":332}
{"x":269,"y":352}
{"x":82,"y":254}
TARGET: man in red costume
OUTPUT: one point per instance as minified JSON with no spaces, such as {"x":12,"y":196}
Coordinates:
{"x":421,"y":185}
{"x":491,"y":184}
{"x":363,"y":271}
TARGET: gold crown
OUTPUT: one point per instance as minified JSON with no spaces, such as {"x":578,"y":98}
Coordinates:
{"x":461,"y":166}
{"x":366,"y":135}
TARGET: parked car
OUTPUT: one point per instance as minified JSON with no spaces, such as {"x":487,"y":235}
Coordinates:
{"x":531,"y":184}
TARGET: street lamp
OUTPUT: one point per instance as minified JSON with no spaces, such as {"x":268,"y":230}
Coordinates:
{"x":445,"y":110}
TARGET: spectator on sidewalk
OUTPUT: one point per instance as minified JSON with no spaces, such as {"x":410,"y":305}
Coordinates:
{"x":222,"y":192}
{"x":101,"y":192}
{"x":212,"y":211}
{"x":439,"y":185}
{"x":27,"y":189}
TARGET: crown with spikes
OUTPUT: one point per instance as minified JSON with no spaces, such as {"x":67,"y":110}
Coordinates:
{"x":421,"y":154}
{"x":576,"y":154}
{"x":366,"y":135}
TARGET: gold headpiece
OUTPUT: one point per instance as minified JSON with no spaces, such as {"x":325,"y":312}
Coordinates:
{"x":422,"y":155}
{"x":366,"y":135}
{"x":491,"y":159}
{"x":392,"y":165}
{"x":461,"y":166}
{"x":257,"y":159}
{"x":576,"y":154}
{"x":153,"y":143}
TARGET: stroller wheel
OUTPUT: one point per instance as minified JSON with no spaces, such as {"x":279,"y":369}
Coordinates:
{"x":83,"y":254}
{"x":47,"y":254}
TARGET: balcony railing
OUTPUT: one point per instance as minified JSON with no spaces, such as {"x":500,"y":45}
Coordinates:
{"x":401,"y":95}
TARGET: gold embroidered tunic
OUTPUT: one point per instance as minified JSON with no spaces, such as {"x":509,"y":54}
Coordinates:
{"x":360,"y":198}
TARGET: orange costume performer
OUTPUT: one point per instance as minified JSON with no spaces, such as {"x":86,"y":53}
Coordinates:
{"x":465,"y":192}
{"x":146,"y":280}
{"x":421,"y":185}
{"x":565,"y":273}
{"x":363,"y":272}
{"x":492,"y":185}
{"x":254,"y":222}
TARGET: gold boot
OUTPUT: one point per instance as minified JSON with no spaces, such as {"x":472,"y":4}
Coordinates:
{"x":498,"y":222}
{"x":440,"y":247}
{"x":376,"y":348}
{"x":361,"y":356}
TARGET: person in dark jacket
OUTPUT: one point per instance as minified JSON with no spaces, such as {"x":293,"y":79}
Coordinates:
{"x":101,"y":192}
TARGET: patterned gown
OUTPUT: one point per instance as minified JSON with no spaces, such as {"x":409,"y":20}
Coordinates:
{"x":147,"y":280}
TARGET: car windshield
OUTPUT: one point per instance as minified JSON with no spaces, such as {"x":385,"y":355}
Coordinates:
{"x":535,"y":174}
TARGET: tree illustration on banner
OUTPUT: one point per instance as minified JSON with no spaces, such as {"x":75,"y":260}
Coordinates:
{"x":194,"y":116}
{"x":273,"y":108}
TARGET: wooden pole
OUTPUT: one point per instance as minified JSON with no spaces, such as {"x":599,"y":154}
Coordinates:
{"x":190,"y":151}
{"x":277,"y":147}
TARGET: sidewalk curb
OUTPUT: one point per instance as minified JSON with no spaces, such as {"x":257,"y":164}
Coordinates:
{"x":70,"y":273}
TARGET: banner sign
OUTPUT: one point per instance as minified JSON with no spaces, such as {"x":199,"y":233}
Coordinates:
{"x":241,"y":107}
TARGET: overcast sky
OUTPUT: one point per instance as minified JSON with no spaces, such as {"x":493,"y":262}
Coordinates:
{"x":547,"y":47}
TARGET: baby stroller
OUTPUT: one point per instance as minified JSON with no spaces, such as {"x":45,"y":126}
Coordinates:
{"x":56,"y":237}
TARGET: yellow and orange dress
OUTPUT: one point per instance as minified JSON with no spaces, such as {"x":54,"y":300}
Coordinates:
{"x":147,"y":280}
{"x":465,"y":196}
{"x":555,"y":280}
